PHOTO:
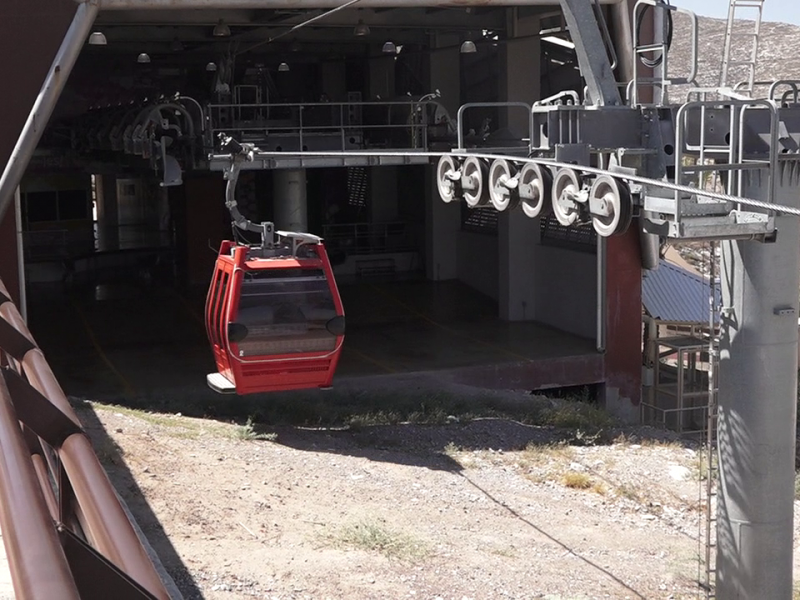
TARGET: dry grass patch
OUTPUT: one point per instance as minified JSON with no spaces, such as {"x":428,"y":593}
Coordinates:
{"x":372,"y":536}
{"x":577,"y":480}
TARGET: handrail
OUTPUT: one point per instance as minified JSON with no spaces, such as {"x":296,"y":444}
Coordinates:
{"x":68,"y":480}
{"x":464,"y":107}
{"x":408,"y":115}
{"x":663,"y":81}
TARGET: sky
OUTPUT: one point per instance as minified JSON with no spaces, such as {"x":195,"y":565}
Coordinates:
{"x":787,"y":11}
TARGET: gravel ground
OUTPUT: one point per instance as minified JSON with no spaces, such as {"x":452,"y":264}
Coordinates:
{"x":484,"y":509}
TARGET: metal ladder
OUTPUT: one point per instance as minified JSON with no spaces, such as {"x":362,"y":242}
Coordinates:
{"x":748,"y":62}
{"x":708,"y":488}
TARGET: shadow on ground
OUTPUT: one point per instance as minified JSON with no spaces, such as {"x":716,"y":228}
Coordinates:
{"x":123,"y":481}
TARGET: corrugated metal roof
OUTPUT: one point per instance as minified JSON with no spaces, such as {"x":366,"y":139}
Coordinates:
{"x":671,"y":293}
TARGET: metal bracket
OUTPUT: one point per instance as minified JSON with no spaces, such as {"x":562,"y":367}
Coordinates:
{"x":37,"y":412}
{"x":97,"y":578}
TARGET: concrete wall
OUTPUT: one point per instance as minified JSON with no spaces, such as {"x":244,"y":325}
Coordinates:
{"x":477,"y":262}
{"x":207,"y":224}
{"x":566,"y":290}
{"x":32,"y":33}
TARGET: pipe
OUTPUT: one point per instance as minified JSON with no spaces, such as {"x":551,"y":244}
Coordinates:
{"x":45,"y":103}
{"x":602,"y":307}
{"x":23,"y":295}
{"x":758,"y":403}
{"x":39,"y":568}
{"x":623,"y":39}
{"x":289,"y":199}
{"x":106,"y":523}
{"x":261,"y":4}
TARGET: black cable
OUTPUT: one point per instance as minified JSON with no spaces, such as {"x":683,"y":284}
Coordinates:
{"x":652,"y":63}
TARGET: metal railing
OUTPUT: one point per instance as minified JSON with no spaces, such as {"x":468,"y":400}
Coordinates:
{"x":336,"y":126}
{"x":65,"y":532}
{"x":372,"y":238}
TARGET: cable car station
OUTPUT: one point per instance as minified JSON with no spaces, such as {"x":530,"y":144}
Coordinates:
{"x":476,"y":188}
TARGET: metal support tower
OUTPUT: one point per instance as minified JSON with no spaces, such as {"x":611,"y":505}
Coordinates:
{"x":757,"y":404}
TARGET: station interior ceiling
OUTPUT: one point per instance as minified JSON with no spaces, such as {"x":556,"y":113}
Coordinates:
{"x":180,"y":45}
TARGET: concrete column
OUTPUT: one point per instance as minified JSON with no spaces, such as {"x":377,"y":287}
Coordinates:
{"x":290,"y":201}
{"x":334,"y":83}
{"x":521,"y":77}
{"x":518,"y":236}
{"x":381,"y":77}
{"x":758,"y":404}
{"x":383,"y":194}
{"x":443,"y":221}
{"x":34,"y":29}
{"x":623,"y":357}
{"x":107,"y":212}
{"x":518,"y":239}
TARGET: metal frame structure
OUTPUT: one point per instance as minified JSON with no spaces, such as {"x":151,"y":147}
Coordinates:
{"x":65,"y":531}
{"x":613,"y":166}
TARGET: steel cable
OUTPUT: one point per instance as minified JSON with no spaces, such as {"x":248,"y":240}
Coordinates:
{"x":779,"y":208}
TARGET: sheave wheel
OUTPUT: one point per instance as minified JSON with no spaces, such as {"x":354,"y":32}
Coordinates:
{"x":476,"y":189}
{"x":535,"y":188}
{"x":503,"y":187}
{"x":566,"y":185}
{"x":610,"y":206}
{"x":446,"y":171}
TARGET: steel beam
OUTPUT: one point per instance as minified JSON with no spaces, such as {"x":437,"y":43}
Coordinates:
{"x":271,"y":4}
{"x":592,"y":53}
{"x":39,"y":569}
{"x":757,"y":404}
{"x":46,"y":101}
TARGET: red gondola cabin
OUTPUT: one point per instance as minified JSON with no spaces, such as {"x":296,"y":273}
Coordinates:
{"x":274,"y":317}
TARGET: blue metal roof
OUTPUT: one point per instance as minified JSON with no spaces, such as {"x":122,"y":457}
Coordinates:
{"x":671,"y":293}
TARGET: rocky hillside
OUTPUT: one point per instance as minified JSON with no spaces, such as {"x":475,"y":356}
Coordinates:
{"x":777,"y":56}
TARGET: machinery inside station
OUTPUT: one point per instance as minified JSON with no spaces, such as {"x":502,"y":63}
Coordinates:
{"x":122,"y":206}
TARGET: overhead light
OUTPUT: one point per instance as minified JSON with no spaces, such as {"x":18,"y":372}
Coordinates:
{"x":468,"y":47}
{"x":222,"y":30}
{"x":559,"y":42}
{"x":97,"y":39}
{"x":361,"y":29}
{"x":211,"y":67}
{"x":177,"y":45}
{"x":389,"y":48}
{"x":283,"y":67}
{"x":144,"y":58}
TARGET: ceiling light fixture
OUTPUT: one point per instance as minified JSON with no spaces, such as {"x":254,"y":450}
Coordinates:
{"x":389,"y":48}
{"x":211,"y":67}
{"x":559,"y":42}
{"x":361,"y":29}
{"x":468,"y":47}
{"x":221,"y":30}
{"x":97,"y":39}
{"x":283,"y":67}
{"x":144,"y":58}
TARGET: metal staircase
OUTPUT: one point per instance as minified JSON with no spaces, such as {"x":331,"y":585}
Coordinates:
{"x":734,"y":60}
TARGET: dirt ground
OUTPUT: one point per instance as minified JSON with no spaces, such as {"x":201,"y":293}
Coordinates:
{"x":477,"y":509}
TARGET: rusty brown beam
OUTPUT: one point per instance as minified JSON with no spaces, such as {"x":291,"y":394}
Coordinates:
{"x":103,"y":517}
{"x":39,"y":569}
